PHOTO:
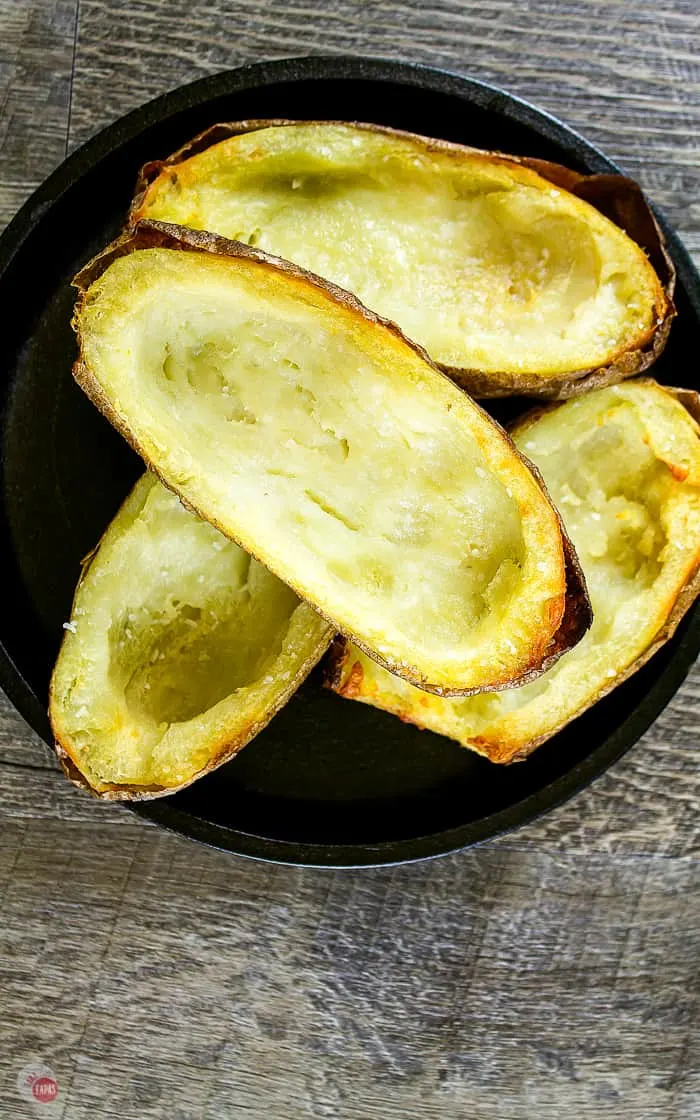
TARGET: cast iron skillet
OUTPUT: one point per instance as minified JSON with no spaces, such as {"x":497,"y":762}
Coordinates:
{"x":329,"y":782}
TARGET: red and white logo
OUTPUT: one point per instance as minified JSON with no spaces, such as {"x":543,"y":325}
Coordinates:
{"x":37,"y":1083}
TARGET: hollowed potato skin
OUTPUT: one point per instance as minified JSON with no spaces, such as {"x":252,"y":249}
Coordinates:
{"x":619,"y":199}
{"x":562,"y":627}
{"x":98,"y":733}
{"x":504,"y":736}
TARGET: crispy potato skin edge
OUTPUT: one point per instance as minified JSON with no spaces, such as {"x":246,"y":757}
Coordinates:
{"x":223,"y":752}
{"x":617,"y":197}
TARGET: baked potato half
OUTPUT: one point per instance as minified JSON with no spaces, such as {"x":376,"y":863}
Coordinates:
{"x":623,"y":466}
{"x":516,"y":275}
{"x":329,"y":446}
{"x":179,"y":650}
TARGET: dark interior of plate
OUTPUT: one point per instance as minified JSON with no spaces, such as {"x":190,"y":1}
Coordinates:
{"x":329,"y":781}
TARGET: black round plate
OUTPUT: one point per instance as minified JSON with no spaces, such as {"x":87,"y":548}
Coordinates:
{"x":329,"y":782}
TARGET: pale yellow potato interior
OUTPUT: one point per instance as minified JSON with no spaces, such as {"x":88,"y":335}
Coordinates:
{"x":623,"y":467}
{"x":179,"y":645}
{"x":330,"y":449}
{"x":484,"y":262}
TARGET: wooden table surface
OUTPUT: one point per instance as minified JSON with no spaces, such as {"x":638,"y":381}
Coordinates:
{"x":553,"y":973}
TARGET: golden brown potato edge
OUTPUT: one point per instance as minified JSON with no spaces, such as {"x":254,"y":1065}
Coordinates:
{"x":617,"y":197}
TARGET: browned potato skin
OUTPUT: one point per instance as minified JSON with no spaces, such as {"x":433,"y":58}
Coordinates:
{"x":620,"y":199}
{"x":686,"y":596}
{"x":506,"y":752}
{"x":575,"y":609}
{"x":221,"y":752}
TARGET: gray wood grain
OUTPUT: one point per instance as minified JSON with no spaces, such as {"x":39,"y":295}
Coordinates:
{"x":37,"y":45}
{"x":165,"y":979}
{"x":553,"y":972}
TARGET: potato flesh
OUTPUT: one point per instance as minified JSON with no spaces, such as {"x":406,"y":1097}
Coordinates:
{"x":623,"y":467}
{"x":483,"y":262}
{"x":182,"y":643}
{"x":330,"y":449}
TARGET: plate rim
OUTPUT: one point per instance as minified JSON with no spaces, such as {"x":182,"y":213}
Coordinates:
{"x":350,"y":67}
